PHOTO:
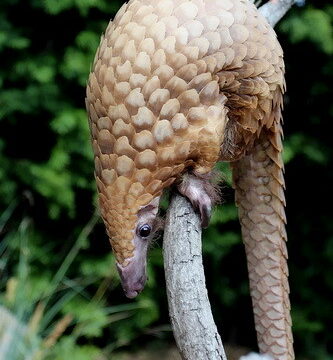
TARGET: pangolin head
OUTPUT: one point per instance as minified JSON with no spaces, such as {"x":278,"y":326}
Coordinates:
{"x":152,"y":99}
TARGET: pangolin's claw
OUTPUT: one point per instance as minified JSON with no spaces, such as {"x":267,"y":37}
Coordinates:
{"x":205,"y":212}
{"x":194,"y":189}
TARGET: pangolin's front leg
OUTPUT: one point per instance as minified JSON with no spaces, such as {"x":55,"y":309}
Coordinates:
{"x":258,"y":180}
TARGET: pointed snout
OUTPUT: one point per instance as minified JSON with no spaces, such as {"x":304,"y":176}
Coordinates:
{"x":133,"y":278}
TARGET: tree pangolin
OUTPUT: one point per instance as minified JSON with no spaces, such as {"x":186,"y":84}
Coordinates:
{"x":176,"y":86}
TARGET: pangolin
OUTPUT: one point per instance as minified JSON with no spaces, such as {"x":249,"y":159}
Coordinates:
{"x":176,"y":86}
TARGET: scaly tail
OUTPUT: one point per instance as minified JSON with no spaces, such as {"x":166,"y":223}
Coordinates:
{"x":259,"y":184}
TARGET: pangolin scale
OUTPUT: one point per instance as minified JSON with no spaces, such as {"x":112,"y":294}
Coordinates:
{"x":176,"y":86}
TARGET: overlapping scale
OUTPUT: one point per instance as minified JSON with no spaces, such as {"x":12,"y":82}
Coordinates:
{"x":169,"y":81}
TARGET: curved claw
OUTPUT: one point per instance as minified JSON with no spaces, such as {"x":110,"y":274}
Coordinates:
{"x":194,"y":189}
{"x":203,"y":206}
{"x":205,"y":212}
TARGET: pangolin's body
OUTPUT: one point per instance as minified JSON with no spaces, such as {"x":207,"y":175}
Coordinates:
{"x":176,"y":86}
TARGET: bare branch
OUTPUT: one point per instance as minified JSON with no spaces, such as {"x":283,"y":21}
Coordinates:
{"x":193,"y":325}
{"x":274,"y":10}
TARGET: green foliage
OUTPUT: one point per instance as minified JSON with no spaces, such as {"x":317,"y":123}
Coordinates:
{"x":314,"y":25}
{"x":52,"y":253}
{"x":50,"y":95}
{"x":67,"y":349}
{"x":301,"y":144}
{"x":34,"y":305}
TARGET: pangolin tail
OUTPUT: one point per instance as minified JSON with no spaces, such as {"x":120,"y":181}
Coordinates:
{"x":259,"y":184}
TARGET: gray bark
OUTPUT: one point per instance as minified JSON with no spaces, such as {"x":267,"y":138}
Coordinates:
{"x":191,"y":317}
{"x":274,"y":10}
{"x":192,"y":321}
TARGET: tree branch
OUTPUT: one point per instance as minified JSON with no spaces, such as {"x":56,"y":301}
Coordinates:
{"x":274,"y":10}
{"x":193,"y":325}
{"x":191,"y":316}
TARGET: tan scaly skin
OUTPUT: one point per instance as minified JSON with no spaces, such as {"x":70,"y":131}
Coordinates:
{"x":176,"y":86}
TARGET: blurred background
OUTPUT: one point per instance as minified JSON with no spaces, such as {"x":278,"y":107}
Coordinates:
{"x":60,"y":294}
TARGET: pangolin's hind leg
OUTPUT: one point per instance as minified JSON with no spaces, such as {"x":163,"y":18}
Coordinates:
{"x":259,"y":185}
{"x":201,"y":192}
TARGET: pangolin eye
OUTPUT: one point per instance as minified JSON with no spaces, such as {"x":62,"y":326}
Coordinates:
{"x":144,"y":230}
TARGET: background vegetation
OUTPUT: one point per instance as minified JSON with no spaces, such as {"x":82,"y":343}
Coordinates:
{"x":57,"y":275}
